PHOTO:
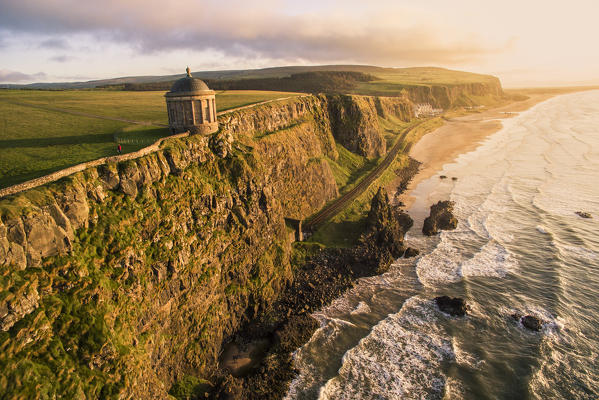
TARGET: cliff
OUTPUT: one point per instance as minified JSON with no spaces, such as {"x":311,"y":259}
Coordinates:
{"x":123,"y":279}
{"x":455,"y":95}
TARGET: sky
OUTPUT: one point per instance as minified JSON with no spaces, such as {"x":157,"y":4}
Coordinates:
{"x":523,"y":42}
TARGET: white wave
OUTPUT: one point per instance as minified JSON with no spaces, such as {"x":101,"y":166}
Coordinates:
{"x":309,"y":358}
{"x":399,"y":359}
{"x":361,"y":308}
{"x":578,"y":251}
{"x":492,"y":260}
{"x":464,"y":358}
{"x":542,"y":229}
{"x":453,"y":390}
{"x":440,"y":266}
{"x":448,"y":263}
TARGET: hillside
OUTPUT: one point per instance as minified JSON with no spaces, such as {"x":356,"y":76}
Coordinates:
{"x":127,"y":279}
{"x":440,"y":87}
{"x":389,"y":81}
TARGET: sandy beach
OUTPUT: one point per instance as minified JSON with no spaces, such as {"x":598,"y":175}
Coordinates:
{"x":458,"y":136}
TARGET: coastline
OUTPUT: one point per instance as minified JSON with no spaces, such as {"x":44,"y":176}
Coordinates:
{"x":457,"y":136}
{"x":257,"y":358}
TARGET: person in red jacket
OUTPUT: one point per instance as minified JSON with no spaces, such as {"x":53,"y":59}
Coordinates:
{"x":119,"y":149}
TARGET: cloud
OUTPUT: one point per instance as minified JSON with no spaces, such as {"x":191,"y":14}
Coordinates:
{"x":60,"y":58}
{"x":382,"y":34}
{"x":8,"y":76}
{"x":54,"y":43}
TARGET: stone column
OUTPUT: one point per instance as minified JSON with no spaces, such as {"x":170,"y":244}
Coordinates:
{"x":209,"y":109}
{"x":193,"y":112}
{"x":213,"y":110}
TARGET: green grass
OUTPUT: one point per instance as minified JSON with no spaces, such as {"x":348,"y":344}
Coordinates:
{"x":392,"y":81}
{"x":345,"y":228}
{"x":349,"y":168}
{"x":36,"y":142}
{"x":226,"y":100}
{"x":36,"y":138}
{"x":430,"y":76}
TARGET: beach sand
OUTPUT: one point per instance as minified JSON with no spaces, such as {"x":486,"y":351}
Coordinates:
{"x":458,"y":136}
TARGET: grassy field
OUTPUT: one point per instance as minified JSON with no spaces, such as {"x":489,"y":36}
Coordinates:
{"x":37,"y":137}
{"x":392,"y":81}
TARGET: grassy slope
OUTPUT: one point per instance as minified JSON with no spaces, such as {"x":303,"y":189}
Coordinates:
{"x":345,"y":228}
{"x":35,"y":142}
{"x":392,"y":81}
{"x":407,"y":76}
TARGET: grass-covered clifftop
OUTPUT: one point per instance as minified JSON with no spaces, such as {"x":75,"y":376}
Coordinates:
{"x":44,"y":131}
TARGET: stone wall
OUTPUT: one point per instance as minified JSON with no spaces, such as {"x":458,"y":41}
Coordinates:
{"x":83,"y":166}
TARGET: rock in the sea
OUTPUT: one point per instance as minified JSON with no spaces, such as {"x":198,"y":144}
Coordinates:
{"x":529,"y":322}
{"x":583,"y":214}
{"x":453,"y":306}
{"x":441,"y":218}
{"x":411,"y":252}
{"x":383,"y":241}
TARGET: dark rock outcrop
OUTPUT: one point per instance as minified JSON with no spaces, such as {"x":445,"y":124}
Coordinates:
{"x":441,"y":218}
{"x":384,"y":238}
{"x":455,"y":306}
{"x":583,"y":214}
{"x":529,"y":322}
{"x":411,"y":252}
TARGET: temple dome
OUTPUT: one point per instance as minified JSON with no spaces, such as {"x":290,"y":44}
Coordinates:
{"x":188,"y":85}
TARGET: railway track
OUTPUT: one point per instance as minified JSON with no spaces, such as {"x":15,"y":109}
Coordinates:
{"x":341,"y":202}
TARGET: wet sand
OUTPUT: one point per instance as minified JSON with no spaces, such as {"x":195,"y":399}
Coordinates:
{"x":458,"y":136}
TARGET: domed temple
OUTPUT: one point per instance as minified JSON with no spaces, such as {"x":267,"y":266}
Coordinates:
{"x":191,"y":106}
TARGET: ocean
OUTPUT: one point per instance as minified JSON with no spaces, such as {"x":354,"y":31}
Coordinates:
{"x":519,"y":248}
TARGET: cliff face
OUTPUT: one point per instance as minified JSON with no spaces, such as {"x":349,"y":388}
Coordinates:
{"x":134,"y":277}
{"x":448,"y":96}
{"x":355,"y":126}
{"x":355,"y":121}
{"x":121,"y":279}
